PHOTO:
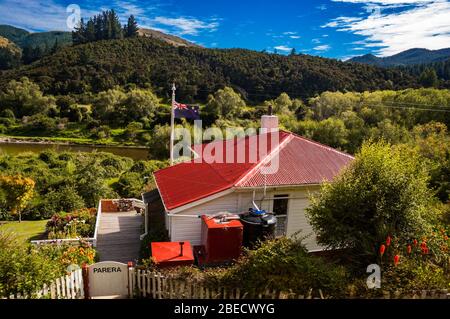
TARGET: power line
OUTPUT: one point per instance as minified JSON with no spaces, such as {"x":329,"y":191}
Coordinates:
{"x":409,"y":108}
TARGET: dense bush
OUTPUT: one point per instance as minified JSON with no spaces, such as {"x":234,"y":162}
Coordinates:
{"x":383,"y":192}
{"x":25,"y":268}
{"x":22,"y":269}
{"x":70,"y":181}
{"x":281,"y":264}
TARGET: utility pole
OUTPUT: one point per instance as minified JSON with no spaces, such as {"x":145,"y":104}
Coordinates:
{"x":172,"y":123}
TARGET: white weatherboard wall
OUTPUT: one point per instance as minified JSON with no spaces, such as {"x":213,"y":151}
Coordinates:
{"x":189,"y":228}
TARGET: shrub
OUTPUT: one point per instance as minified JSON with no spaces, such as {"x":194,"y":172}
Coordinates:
{"x":130,"y":185}
{"x":64,"y":199}
{"x":133,"y":129}
{"x":383,"y":192}
{"x":280,"y":264}
{"x":22,"y":268}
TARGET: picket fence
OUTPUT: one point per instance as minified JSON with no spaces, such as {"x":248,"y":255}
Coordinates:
{"x":66,"y":287}
{"x":147,"y":284}
{"x":153,"y":285}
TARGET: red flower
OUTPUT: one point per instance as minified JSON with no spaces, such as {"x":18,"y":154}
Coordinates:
{"x":409,"y":249}
{"x":382,"y":250}
{"x":396,"y":259}
{"x":445,"y":237}
{"x":415,"y":242}
{"x":388,"y":241}
{"x":423,"y":245}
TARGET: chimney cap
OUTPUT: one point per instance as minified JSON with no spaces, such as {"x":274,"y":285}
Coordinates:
{"x":270,"y":110}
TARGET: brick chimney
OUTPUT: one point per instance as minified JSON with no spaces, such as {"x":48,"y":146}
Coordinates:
{"x":269,"y":121}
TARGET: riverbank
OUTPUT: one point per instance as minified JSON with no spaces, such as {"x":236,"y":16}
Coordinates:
{"x":67,"y":141}
{"x":13,"y":145}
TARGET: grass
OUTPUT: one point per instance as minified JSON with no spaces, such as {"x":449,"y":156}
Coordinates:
{"x":26,"y":230}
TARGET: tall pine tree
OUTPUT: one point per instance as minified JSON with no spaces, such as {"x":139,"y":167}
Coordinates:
{"x":131,"y":27}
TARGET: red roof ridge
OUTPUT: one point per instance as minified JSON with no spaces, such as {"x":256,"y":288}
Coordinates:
{"x":318,"y":144}
{"x":247,"y":175}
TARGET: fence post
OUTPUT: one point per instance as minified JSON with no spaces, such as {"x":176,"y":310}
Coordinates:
{"x":130,"y":279}
{"x":86,"y":281}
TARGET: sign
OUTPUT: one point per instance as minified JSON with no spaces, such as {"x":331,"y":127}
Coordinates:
{"x":108,"y":278}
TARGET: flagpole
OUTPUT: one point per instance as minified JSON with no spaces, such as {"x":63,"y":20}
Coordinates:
{"x":172,"y":123}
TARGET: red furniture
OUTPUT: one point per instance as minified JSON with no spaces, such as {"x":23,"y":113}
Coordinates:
{"x":172,"y":254}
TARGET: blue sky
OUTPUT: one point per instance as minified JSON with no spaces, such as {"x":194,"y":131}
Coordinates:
{"x":331,"y":28}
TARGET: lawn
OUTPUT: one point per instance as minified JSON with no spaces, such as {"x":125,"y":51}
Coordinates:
{"x":26,"y":230}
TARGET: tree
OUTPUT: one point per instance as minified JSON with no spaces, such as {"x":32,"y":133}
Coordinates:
{"x":225,"y":103}
{"x":159,"y":144}
{"x":139,"y":104}
{"x":79,"y":33}
{"x":130,"y":185}
{"x":133,"y":129}
{"x":131,"y":28}
{"x":429,"y":78}
{"x":107,"y":103}
{"x":281,"y":105}
{"x":25,"y":98}
{"x":331,"y":132}
{"x":19,"y":191}
{"x":10,"y":54}
{"x":382,"y":193}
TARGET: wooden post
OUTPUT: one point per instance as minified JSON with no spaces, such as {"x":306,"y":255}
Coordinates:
{"x":131,"y":274}
{"x":86,"y":281}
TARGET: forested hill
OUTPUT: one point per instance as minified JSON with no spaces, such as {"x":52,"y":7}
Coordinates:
{"x":101,"y":65}
{"x":24,"y":39}
{"x":408,"y":57}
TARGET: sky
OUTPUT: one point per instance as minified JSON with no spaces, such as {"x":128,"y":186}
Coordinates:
{"x":331,"y":28}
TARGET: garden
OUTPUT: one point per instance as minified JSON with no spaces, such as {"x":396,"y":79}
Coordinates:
{"x":24,"y":268}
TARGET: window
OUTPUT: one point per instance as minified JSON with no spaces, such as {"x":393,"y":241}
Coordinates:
{"x":280,"y":204}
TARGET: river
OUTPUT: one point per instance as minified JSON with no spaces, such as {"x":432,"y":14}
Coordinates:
{"x":16,"y":148}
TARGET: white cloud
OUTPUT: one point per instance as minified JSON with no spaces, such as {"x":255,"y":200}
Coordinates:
{"x":385,"y":2}
{"x":322,"y":48}
{"x":289,"y":33}
{"x":128,"y":8}
{"x":420,"y":23}
{"x":188,"y":25}
{"x":36,"y":15}
{"x":283,"y":48}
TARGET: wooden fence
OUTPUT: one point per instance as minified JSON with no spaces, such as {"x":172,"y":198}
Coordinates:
{"x":147,"y":284}
{"x":66,"y":287}
{"x":153,"y":285}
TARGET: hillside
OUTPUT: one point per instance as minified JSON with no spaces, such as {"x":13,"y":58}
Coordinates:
{"x":170,"y":39}
{"x":408,"y":57}
{"x":101,"y":65}
{"x":10,"y":54}
{"x":23,"y":38}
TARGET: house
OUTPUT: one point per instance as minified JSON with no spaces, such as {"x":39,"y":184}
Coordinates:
{"x":188,"y":190}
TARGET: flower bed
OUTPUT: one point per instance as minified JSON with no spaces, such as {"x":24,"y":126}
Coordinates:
{"x":77,"y":224}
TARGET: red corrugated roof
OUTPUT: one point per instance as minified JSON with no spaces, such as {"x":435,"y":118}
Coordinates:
{"x":301,"y":161}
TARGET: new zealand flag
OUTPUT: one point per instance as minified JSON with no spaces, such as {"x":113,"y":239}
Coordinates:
{"x":186,"y":111}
